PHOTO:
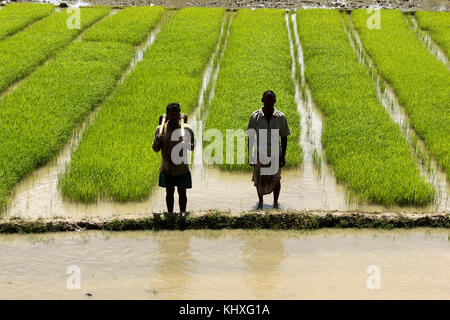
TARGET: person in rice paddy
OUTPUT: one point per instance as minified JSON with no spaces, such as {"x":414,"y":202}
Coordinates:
{"x":174,"y":169}
{"x":275,"y":124}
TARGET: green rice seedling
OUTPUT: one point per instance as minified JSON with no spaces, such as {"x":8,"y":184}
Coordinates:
{"x":257,"y":58}
{"x":365,"y":147}
{"x":115,"y":158}
{"x":17,"y":16}
{"x":130,"y":25}
{"x":38,"y":118}
{"x":438,"y":26}
{"x":24,"y":51}
{"x":420,"y":81}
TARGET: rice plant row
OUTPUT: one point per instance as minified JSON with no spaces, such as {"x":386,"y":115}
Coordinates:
{"x":114,"y":158}
{"x":38,"y":118}
{"x":420,"y":81}
{"x":17,"y":16}
{"x":257,"y":58}
{"x":63,"y":102}
{"x":130,"y":25}
{"x":437,"y":24}
{"x":365,"y":148}
{"x":22,"y":52}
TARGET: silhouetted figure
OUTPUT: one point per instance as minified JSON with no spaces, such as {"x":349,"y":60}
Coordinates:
{"x":173,"y":172}
{"x":270,"y":119}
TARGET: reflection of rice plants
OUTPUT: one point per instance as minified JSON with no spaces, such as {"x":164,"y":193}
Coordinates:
{"x":129,"y":25}
{"x":22,"y":52}
{"x":38,"y":118}
{"x":17,"y":16}
{"x":366,"y":149}
{"x":420,"y":81}
{"x":438,"y":26}
{"x":114,"y":158}
{"x":317,"y":160}
{"x":257,"y":58}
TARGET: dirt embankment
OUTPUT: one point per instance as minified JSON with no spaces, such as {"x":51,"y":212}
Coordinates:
{"x":407,"y":5}
{"x":275,"y":220}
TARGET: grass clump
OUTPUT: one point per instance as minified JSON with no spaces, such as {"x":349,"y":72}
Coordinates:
{"x":257,"y":58}
{"x":364,"y":146}
{"x":114,"y":158}
{"x":17,"y":16}
{"x":420,"y":81}
{"x":24,"y":51}
{"x":129,"y":25}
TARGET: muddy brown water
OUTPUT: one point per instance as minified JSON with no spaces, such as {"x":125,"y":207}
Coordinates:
{"x":305,"y":187}
{"x":233,"y":264}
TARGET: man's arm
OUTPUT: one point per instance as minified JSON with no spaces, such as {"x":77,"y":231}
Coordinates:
{"x":157,"y":141}
{"x":192,"y":140}
{"x":284,"y":132}
{"x":283,"y":151}
{"x":252,"y":141}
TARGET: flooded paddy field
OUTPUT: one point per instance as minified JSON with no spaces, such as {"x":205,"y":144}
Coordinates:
{"x":228,"y":264}
{"x":310,"y":186}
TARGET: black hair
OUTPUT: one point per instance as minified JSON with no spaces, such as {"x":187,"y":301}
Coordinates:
{"x":172,"y":106}
{"x":270,"y":93}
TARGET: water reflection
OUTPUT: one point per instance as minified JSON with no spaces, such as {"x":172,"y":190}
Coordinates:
{"x":227,"y":264}
{"x":267,"y":250}
{"x":174,"y":267}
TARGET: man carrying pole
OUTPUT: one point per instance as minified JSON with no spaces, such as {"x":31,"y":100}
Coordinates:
{"x":264,"y":129}
{"x":174,"y":137}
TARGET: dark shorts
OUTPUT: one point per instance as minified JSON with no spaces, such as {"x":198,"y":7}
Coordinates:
{"x":183,"y":181}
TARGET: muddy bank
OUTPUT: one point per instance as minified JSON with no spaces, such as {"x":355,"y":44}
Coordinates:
{"x":275,"y":220}
{"x":441,"y":5}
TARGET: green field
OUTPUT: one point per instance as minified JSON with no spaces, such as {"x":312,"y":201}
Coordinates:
{"x":365,"y":148}
{"x":15,"y":17}
{"x":256,"y":59}
{"x":65,"y":80}
{"x":23,"y":52}
{"x":129,"y":25}
{"x":420,"y":81}
{"x":115,"y":158}
{"x":438,"y":26}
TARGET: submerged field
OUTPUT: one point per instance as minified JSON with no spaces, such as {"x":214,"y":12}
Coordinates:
{"x":63,"y":78}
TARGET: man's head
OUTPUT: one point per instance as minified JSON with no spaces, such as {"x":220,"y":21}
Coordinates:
{"x":173,"y":113}
{"x":269,"y":98}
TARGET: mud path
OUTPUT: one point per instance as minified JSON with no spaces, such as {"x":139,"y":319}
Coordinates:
{"x":407,"y":5}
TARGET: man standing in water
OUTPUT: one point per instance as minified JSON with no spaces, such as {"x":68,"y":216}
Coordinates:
{"x":174,"y":170}
{"x":266,"y":124}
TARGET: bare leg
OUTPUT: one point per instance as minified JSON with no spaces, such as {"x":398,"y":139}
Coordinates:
{"x":276,"y":194}
{"x":182,"y":199}
{"x":169,"y":198}
{"x":260,"y":204}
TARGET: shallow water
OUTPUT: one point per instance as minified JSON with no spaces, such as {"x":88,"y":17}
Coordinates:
{"x":228,"y":264}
